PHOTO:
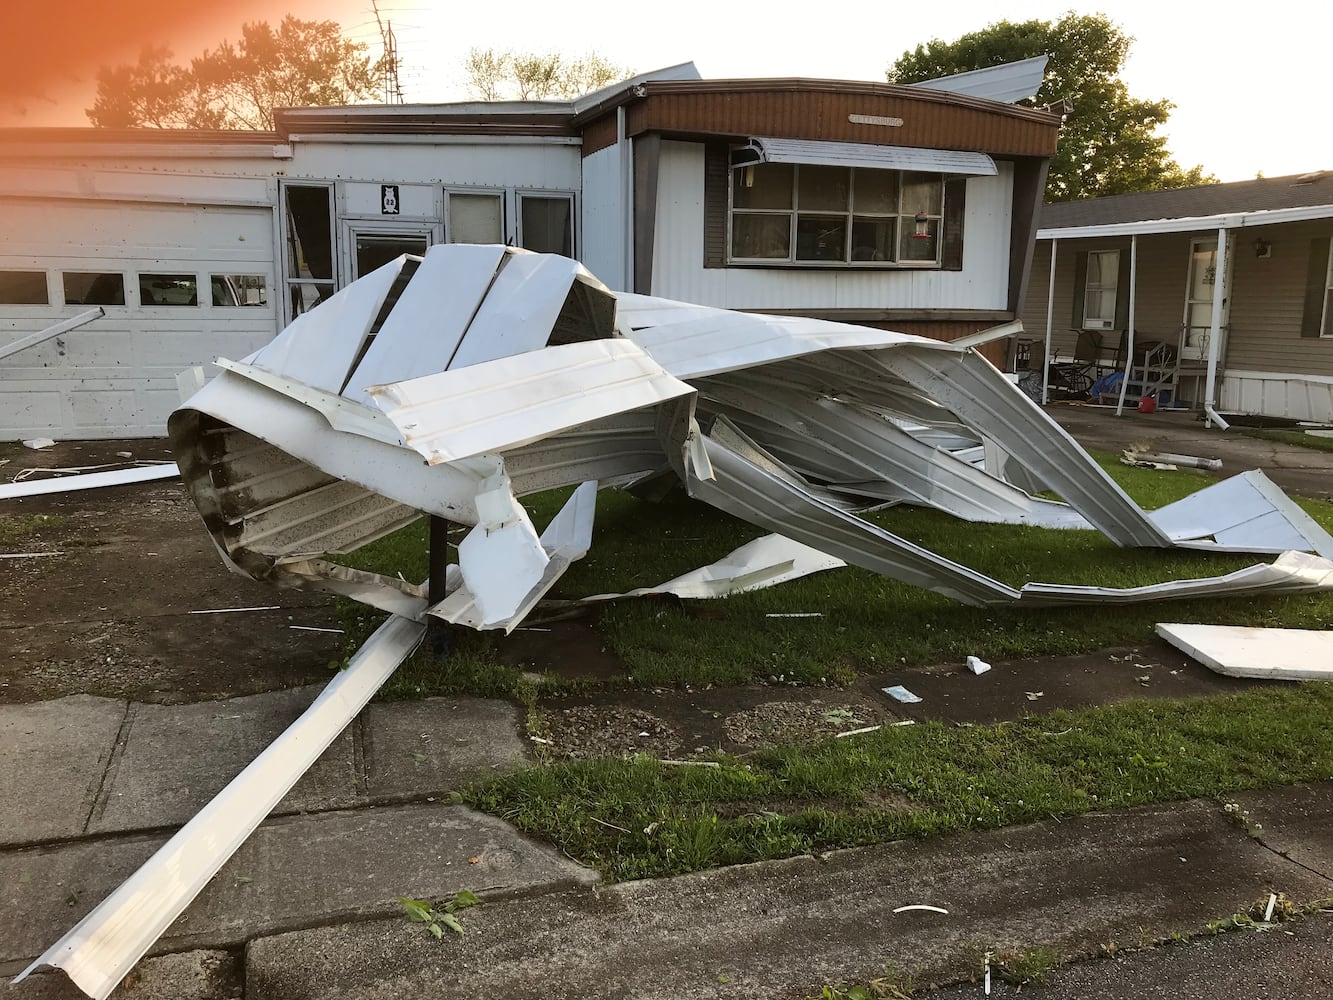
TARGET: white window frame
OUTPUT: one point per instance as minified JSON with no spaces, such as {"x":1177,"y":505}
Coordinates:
{"x":1113,"y":286}
{"x":1326,"y":318}
{"x":286,"y":281}
{"x":850,"y":215}
{"x":352,"y":228}
{"x":506,"y":229}
{"x":551,"y":194}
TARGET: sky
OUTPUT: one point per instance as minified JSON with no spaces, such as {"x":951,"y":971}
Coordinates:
{"x":1251,"y":83}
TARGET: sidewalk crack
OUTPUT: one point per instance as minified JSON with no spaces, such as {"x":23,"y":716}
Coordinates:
{"x":113,"y":760}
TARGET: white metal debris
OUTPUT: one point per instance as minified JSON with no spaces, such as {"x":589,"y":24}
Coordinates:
{"x":37,"y":444}
{"x":102,"y":947}
{"x":899,"y":693}
{"x":512,"y":373}
{"x":1285,"y":654}
{"x":977,"y":665}
{"x":89,"y":481}
{"x":921,"y":906}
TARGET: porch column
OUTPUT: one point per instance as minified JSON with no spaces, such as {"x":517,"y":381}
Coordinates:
{"x":1050,"y":321}
{"x":1129,"y":333}
{"x":1215,"y":327}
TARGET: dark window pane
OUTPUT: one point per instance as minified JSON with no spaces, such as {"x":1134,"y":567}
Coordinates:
{"x":548,"y":225}
{"x":823,"y":189}
{"x":377,"y":249}
{"x":168,"y":290}
{"x":766,"y":185}
{"x":872,"y":239}
{"x":309,"y":234}
{"x":875,"y":191}
{"x":305,"y":295}
{"x":821,"y":237}
{"x":761,"y":236}
{"x":923,"y":193}
{"x":925,"y":247}
{"x":239,"y":289}
{"x":23,"y":288}
{"x":91,"y":288}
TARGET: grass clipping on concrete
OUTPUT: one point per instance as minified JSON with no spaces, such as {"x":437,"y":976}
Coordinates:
{"x":637,"y":818}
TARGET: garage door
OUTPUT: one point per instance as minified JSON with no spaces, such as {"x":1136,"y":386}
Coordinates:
{"x":180,"y":286}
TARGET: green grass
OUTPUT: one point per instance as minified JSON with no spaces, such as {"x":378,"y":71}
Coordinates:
{"x":868,"y":623}
{"x":15,"y":528}
{"x":1283,"y":436}
{"x":798,"y":800}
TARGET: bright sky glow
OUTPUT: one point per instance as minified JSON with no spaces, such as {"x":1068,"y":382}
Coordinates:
{"x":1251,"y":83}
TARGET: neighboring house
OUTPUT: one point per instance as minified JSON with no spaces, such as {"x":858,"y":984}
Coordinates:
{"x":907,"y":207}
{"x":1235,"y":280}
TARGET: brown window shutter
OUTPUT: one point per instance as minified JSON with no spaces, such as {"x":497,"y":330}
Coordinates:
{"x":717,"y":171}
{"x":1316,"y":283}
{"x":955,"y":207}
{"x":1080,"y":286}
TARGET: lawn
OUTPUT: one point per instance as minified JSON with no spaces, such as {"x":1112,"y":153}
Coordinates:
{"x":1285,"y":436}
{"x":867,"y":622}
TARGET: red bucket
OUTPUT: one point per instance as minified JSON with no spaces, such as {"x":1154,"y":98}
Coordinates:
{"x":1147,"y":404}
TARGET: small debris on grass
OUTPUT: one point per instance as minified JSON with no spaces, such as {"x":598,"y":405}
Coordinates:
{"x":906,"y":722}
{"x":1034,"y":695}
{"x":921,"y":906}
{"x":857,"y":732}
{"x":900,"y":693}
{"x":28,"y":555}
{"x":37,"y":444}
{"x":538,"y":739}
{"x":796,"y":614}
{"x":691,"y":763}
{"x":977,"y":665}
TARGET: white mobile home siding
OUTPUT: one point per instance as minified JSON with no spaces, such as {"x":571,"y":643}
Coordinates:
{"x":603,"y":217}
{"x":679,"y":272}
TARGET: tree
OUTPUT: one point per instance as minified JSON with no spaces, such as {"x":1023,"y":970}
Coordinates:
{"x":300,"y":64}
{"x":1109,"y":143}
{"x":534,"y":76}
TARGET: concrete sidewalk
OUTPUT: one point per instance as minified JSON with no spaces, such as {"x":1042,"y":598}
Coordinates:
{"x":308,"y":907}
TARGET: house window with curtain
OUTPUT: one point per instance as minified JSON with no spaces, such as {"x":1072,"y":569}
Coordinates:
{"x":1100,"y":290}
{"x":816,"y":214}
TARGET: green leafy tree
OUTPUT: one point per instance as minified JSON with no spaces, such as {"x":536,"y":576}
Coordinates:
{"x":1109,"y":143}
{"x":237,"y":86}
{"x":534,"y":76}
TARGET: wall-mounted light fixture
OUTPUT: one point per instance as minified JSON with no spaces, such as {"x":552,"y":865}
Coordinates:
{"x":1263,"y":249}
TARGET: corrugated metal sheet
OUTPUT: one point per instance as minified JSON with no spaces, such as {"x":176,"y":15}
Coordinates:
{"x":861,"y":154}
{"x":1006,"y":83}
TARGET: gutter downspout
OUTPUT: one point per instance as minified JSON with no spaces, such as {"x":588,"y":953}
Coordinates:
{"x":626,"y":202}
{"x":1220,"y":292}
{"x":1050,"y":322}
{"x":1129,"y":333}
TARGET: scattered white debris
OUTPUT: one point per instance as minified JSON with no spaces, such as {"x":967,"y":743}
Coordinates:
{"x":857,"y":732}
{"x":900,"y":693}
{"x":1189,"y":461}
{"x":691,"y":763}
{"x":228,"y":611}
{"x":1034,"y":695}
{"x":796,"y":614}
{"x":37,"y":444}
{"x":28,"y":555}
{"x":93,"y":480}
{"x":1272,"y":901}
{"x":124,"y":454}
{"x":905,"y":722}
{"x":312,"y":628}
{"x":977,"y":665}
{"x":987,"y":973}
{"x":538,"y":739}
{"x":1284,"y":654}
{"x":921,"y":906}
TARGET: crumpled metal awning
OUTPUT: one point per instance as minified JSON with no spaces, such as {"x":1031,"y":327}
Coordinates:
{"x":863,"y":154}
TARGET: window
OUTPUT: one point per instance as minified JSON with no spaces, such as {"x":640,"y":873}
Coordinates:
{"x":23,"y":288}
{"x":812,"y":214}
{"x":1099,"y":290}
{"x":238,"y":289}
{"x":168,"y":290}
{"x":375,"y":249}
{"x":94,"y":288}
{"x":476,"y":217}
{"x":546,"y":223}
{"x":308,"y":228}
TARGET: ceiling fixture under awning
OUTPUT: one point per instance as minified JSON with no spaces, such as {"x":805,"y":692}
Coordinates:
{"x":862,"y":154}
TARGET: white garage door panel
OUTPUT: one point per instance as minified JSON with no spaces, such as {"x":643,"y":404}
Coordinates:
{"x":116,"y":377}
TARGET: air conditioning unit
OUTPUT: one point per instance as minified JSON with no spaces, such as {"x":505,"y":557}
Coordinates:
{"x":1098,"y":324}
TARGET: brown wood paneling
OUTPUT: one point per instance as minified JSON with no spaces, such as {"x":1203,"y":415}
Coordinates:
{"x":947,"y":330}
{"x":599,"y":135}
{"x":803,"y":112}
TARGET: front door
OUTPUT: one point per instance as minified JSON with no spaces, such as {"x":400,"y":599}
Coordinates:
{"x":1199,"y":300}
